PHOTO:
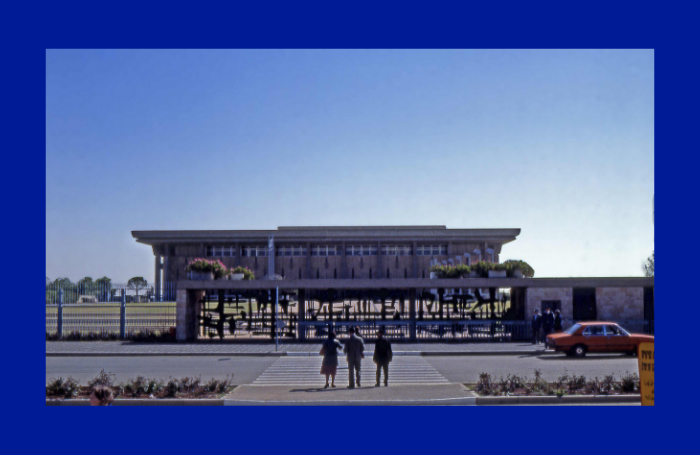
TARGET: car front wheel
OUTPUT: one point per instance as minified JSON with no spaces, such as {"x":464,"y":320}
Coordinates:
{"x":579,"y":350}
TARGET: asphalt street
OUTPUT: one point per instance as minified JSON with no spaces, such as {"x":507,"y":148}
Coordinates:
{"x":247,"y":369}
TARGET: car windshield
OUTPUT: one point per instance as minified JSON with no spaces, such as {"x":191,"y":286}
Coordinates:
{"x":572,"y":329}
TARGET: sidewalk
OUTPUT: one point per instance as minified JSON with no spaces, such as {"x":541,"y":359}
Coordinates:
{"x":412,"y":395}
{"x":129,"y":348}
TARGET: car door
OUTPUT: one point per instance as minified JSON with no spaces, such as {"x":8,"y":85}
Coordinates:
{"x":594,"y":338}
{"x":617,"y":340}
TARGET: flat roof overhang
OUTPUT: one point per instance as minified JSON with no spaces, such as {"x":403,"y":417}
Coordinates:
{"x":350,"y":233}
{"x":423,"y":283}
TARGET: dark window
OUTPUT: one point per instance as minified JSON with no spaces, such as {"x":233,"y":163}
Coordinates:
{"x":405,"y":273}
{"x":584,"y":304}
{"x":423,"y":273}
{"x":282,"y":273}
{"x":300,"y":274}
{"x":370,"y":273}
{"x":335,"y":273}
{"x":317,"y":274}
{"x":649,"y":303}
{"x":388,"y":273}
{"x":353,"y":273}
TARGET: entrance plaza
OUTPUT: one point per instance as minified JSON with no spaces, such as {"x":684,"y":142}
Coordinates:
{"x":331,"y":278}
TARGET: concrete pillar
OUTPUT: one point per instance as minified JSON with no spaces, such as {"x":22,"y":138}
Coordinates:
{"x":308,"y":260}
{"x":380,"y":262}
{"x":343,"y":264}
{"x":412,"y":312}
{"x":301,"y":315}
{"x":414,"y":260}
{"x":158,"y":269}
{"x":238,"y":254}
{"x":187,"y":311}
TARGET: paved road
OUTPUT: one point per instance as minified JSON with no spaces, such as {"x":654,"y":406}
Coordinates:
{"x":247,"y":369}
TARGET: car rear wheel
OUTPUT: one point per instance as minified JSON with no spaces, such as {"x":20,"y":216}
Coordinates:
{"x":579,"y":350}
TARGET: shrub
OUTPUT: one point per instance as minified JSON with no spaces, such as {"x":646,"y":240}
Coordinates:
{"x":103,"y":379}
{"x":205,"y":265}
{"x":247,"y":273}
{"x":482,"y":268}
{"x":630,"y":382}
{"x":66,"y":388}
{"x":516,"y":264}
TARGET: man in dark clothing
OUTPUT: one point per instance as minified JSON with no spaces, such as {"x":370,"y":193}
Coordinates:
{"x":547,"y":324}
{"x":354,"y":348}
{"x":536,"y":326}
{"x":382,"y":357}
{"x":557,"y":321}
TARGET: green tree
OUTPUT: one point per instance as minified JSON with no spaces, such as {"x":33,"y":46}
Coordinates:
{"x":136,"y":283}
{"x":104,"y":288}
{"x":648,"y":266}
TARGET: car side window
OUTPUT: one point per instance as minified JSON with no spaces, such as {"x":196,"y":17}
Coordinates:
{"x":612,"y":330}
{"x":594,"y":330}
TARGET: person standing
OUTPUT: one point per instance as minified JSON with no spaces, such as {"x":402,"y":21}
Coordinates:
{"x":536,"y":326}
{"x":382,"y":357}
{"x":547,"y":324}
{"x":354,"y":348}
{"x":557,"y":321}
{"x":329,"y":351}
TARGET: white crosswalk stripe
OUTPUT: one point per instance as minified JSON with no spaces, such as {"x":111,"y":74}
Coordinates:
{"x":306,"y":371}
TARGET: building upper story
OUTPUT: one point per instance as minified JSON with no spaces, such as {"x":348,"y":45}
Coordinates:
{"x":338,"y":252}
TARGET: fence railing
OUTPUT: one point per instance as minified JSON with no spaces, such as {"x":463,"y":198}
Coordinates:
{"x":99,"y":292}
{"x":108,"y":318}
{"x":318,"y":331}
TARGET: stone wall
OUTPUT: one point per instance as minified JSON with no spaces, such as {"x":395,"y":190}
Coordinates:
{"x":535,"y":296}
{"x":186,"y":314}
{"x":620,"y":304}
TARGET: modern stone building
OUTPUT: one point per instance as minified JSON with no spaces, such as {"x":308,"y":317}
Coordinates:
{"x":327,"y":252}
{"x":376,"y":275}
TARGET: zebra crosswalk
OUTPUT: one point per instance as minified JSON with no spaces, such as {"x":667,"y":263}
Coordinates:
{"x":306,"y":371}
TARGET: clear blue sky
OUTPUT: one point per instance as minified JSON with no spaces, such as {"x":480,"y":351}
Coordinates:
{"x":557,"y":143}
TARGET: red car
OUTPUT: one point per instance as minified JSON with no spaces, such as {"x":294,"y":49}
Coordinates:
{"x":596,"y":336}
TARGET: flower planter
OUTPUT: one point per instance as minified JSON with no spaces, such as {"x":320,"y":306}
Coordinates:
{"x":433,"y":275}
{"x":207,"y":276}
{"x":473,"y":275}
{"x":497,"y":273}
{"x":517,"y":274}
{"x":236,"y":276}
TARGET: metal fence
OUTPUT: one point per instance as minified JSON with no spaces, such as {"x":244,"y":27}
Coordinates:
{"x":104,"y":319}
{"x":107,"y":292}
{"x":318,"y":331}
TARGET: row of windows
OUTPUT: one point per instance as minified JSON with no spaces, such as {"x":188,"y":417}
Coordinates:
{"x":431,"y":250}
{"x":330,"y":250}
{"x":291,"y":251}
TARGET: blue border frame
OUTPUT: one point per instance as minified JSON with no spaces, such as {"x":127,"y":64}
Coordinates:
{"x":324,"y":25}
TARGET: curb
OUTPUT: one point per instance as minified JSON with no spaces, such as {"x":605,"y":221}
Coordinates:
{"x":164,"y":354}
{"x":457,"y":401}
{"x":289,"y":354}
{"x":143,"y":402}
{"x":572,"y":400}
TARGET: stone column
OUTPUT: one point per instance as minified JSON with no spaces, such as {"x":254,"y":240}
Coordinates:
{"x":412,"y":312}
{"x":415,"y":260}
{"x":187,"y":310}
{"x":343,"y":264}
{"x":308,"y":260}
{"x":158,"y":269}
{"x":301,"y":315}
{"x":380,"y":262}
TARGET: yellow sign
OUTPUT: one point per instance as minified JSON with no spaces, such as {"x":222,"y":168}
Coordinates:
{"x":645,"y":358}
